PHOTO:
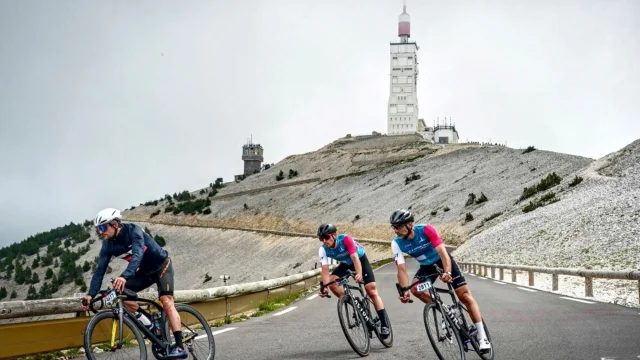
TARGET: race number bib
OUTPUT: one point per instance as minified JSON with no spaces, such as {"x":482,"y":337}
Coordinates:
{"x":110,"y":297}
{"x":425,"y":286}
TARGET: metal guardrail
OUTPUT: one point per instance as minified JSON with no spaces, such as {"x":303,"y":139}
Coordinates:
{"x":25,"y":338}
{"x":482,"y":269}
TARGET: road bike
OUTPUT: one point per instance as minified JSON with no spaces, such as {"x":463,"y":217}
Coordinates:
{"x":357,"y":312}
{"x":116,"y":329}
{"x":449,"y":327}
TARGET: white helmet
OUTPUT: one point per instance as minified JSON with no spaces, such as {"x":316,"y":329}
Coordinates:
{"x":106,"y":216}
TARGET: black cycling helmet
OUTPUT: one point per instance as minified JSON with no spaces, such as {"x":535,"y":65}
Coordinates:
{"x":401,"y":216}
{"x":326,"y":229}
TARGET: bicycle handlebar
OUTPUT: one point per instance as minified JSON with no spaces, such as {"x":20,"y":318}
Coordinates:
{"x":401,"y":290}
{"x":349,"y":273}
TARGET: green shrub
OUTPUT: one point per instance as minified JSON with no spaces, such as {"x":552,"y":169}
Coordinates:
{"x":206,"y":211}
{"x":446,"y":208}
{"x":471,"y":199}
{"x":207,"y":278}
{"x":468,"y":217}
{"x":434,"y":212}
{"x":280,"y":176}
{"x":160,"y":240}
{"x":482,"y":198}
{"x":576,"y":180}
{"x":492,"y":216}
{"x":410,"y":178}
{"x":154,"y":213}
{"x":529,"y":149}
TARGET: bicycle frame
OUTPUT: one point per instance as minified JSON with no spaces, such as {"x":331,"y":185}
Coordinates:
{"x":444,"y":308}
{"x":121,"y":311}
{"x":344,"y":282}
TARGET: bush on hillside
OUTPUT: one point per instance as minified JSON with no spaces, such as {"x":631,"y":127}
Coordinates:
{"x":482,"y":198}
{"x":529,"y":149}
{"x":471,"y":199}
{"x":576,"y":180}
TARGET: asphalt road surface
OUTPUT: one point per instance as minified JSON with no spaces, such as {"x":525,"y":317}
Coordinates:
{"x":524,"y":324}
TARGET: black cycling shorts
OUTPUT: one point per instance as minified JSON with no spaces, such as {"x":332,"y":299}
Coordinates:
{"x":367,"y":271}
{"x":163,"y":278}
{"x":458,"y":279}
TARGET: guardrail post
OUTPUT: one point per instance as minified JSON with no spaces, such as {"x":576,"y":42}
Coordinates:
{"x":473,"y":268}
{"x":485,"y":271}
{"x":554,"y":282}
{"x":493,"y":272}
{"x":530,"y":278}
{"x":226,"y":299}
{"x":513,"y":275}
{"x":588,"y":286}
{"x":501,"y":274}
{"x":639,"y":291}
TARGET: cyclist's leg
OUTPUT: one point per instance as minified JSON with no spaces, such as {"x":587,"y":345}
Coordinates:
{"x":136,"y":283}
{"x":423,"y":271}
{"x":164,"y":282}
{"x":338,"y":272}
{"x":370,"y":283}
{"x":459,"y":284}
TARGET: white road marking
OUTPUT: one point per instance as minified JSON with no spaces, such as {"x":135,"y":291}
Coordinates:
{"x":578,"y":300}
{"x":481,"y":278}
{"x":472,"y":274}
{"x":498,"y":282}
{"x":216,"y":332}
{"x":312,"y":297}
{"x":525,"y":289}
{"x":285,"y":311}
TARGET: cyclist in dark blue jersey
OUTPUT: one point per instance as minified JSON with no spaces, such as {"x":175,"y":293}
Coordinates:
{"x":421,"y":241}
{"x":148,"y":264}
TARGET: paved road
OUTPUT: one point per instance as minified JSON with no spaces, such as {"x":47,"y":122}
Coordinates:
{"x":523,"y":325}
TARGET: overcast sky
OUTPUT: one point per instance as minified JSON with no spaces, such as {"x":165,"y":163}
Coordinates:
{"x":113,"y":103}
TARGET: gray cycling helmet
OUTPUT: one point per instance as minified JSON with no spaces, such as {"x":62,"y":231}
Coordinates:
{"x":326,"y":229}
{"x":401,"y":216}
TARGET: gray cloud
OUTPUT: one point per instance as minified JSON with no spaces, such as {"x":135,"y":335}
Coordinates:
{"x":113,"y":104}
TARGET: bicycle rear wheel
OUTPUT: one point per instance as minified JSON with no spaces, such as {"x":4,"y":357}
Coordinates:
{"x":473,"y":340}
{"x":197,"y":336}
{"x":444,"y":337}
{"x":102,"y":333}
{"x":388,"y":342}
{"x":353,"y":326}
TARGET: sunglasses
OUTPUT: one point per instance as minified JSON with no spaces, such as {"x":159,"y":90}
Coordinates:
{"x":102,"y":228}
{"x":397,"y":226}
{"x":324,"y":237}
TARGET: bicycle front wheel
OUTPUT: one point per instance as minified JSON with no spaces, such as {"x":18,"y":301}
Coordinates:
{"x":102,"y":335}
{"x":444,"y":337}
{"x":353,"y":325}
{"x":388,"y":341}
{"x":474,"y":341}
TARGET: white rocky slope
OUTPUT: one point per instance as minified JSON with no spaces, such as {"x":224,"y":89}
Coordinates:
{"x":595,"y":225}
{"x":361,"y":204}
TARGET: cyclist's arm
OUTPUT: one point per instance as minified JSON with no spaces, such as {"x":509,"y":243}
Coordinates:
{"x":403,"y":279}
{"x":324,"y":264}
{"x":96,"y":279}
{"x":353,"y":253}
{"x":137,"y":248}
{"x":438,"y":244}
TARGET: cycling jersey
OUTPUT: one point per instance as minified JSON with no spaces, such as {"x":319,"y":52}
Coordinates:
{"x":422,"y":247}
{"x":134,"y":246}
{"x":345,"y":247}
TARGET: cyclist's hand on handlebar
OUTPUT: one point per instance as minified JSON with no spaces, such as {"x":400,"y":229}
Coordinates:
{"x":446,"y":277}
{"x":405,"y":297}
{"x":358,"y":278}
{"x":86,"y":302}
{"x":118,"y":283}
{"x":323,"y":293}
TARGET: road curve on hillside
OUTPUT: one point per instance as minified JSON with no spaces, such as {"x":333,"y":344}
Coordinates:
{"x":523,"y":324}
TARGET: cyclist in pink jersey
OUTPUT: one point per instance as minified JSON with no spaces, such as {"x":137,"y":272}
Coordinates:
{"x":351,"y":255}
